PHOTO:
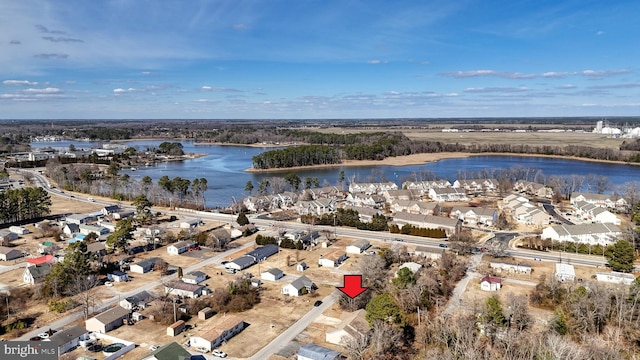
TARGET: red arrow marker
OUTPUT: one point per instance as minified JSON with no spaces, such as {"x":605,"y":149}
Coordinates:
{"x":352,"y":286}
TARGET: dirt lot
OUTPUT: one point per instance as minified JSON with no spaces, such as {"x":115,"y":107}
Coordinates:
{"x":539,"y":268}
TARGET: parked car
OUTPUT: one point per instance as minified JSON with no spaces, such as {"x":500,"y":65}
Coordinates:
{"x":442,"y":245}
{"x":135,"y":250}
{"x":194,"y":248}
{"x":108,"y":283}
{"x":202,"y":349}
{"x":317,"y":303}
{"x":219,"y":353}
{"x":153,"y":347}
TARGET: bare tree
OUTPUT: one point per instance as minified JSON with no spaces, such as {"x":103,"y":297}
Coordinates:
{"x":385,"y":338}
{"x":357,"y":346}
{"x":82,"y":286}
{"x":161,"y":266}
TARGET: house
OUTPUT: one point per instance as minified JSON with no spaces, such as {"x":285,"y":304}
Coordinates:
{"x":515,"y":268}
{"x":88,"y":229}
{"x":412,"y":266}
{"x":533,"y":216}
{"x":143,"y":266}
{"x":603,"y":216}
{"x":427,"y":252}
{"x":68,"y":339}
{"x":450,"y":226}
{"x":252,"y":257}
{"x":79,"y":219}
{"x":107,"y":320}
{"x":110,"y":209}
{"x":594,"y":213}
{"x":97,"y":248}
{"x":194,"y":277}
{"x":565,"y":272}
{"x":48,"y":247}
{"x":358,"y":247}
{"x":365,"y":214}
{"x":301,"y":266}
{"x":220,"y":330}
{"x":316,"y":207}
{"x":333,"y":258}
{"x":123,"y":214}
{"x":477,"y":185}
{"x":6,"y":236}
{"x":475,"y":215}
{"x":44,"y":259}
{"x":533,"y":189}
{"x":490,"y":283}
{"x":316,"y":352}
{"x":424,"y":186}
{"x":272,"y":274}
{"x":175,"y":328}
{"x":592,"y":234}
{"x":18,"y":230}
{"x":205,"y":313}
{"x":447,"y":194}
{"x":170,"y":351}
{"x":138,"y":300}
{"x":403,"y":194}
{"x":603,"y":200}
{"x":70,"y":228}
{"x":35,"y":274}
{"x":7,"y":253}
{"x":616,"y":278}
{"x":372,"y":188}
{"x":189,"y":223}
{"x":299,"y":286}
{"x":352,"y":326}
{"x":183,"y":289}
{"x":117,"y":276}
{"x":366,"y":200}
{"x":415,"y":207}
{"x":322,"y":192}
{"x":179,"y":247}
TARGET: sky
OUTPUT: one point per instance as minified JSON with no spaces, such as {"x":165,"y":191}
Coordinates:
{"x":307,"y":59}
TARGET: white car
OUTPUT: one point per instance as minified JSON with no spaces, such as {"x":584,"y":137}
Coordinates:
{"x":43,"y":335}
{"x":153,"y":347}
{"x":219,"y":353}
{"x":108,"y":283}
{"x":202,"y":349}
{"x":91,"y":199}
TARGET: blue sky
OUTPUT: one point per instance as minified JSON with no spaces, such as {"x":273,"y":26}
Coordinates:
{"x":318,"y":59}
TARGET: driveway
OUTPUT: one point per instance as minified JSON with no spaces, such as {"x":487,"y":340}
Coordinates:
{"x":552,"y":211}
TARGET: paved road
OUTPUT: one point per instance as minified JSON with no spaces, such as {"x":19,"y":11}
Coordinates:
{"x":552,"y":211}
{"x":288,"y":335}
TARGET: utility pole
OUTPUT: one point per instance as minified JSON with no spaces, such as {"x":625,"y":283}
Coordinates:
{"x":175,"y":318}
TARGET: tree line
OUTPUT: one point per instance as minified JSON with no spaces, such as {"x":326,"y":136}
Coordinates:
{"x":23,"y":204}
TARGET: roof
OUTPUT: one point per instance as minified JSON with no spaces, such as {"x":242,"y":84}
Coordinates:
{"x":476,"y":210}
{"x":218,"y":325}
{"x":5,"y":249}
{"x":585,"y":229}
{"x":491,"y":280}
{"x":111,"y":208}
{"x":275,"y":272}
{"x":39,"y":271}
{"x":414,"y":267}
{"x":196,"y":274}
{"x":111,"y":315}
{"x":95,"y":247}
{"x":147,"y":262}
{"x":566,"y":269}
{"x":139,"y":297}
{"x":243,"y":261}
{"x":182,"y":244}
{"x":264,"y":251}
{"x":64,"y":336}
{"x":181,"y":285}
{"x":73,"y":227}
{"x":78,"y":216}
{"x":353,"y":323}
{"x":302,"y":282}
{"x":361,"y":244}
{"x":170,"y":351}
{"x":317,"y":352}
{"x":41,"y":260}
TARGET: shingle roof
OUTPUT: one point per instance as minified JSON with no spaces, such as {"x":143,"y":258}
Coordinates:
{"x":170,"y":351}
{"x":317,"y":352}
{"x":112,"y":315}
{"x":64,"y":336}
{"x":218,"y":325}
{"x":301,"y":282}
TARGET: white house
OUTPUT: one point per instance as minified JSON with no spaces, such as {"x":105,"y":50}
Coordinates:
{"x":352,"y":325}
{"x":79,"y":218}
{"x":143,"y":266}
{"x":194,"y":277}
{"x":6,"y":236}
{"x":18,"y":230}
{"x":117,"y":276}
{"x":516,"y":268}
{"x":107,"y":320}
{"x":139,"y":300}
{"x":358,"y":247}
{"x":565,"y":272}
{"x":299,"y":286}
{"x":603,"y":234}
{"x":372,"y":188}
{"x":333,"y":258}
{"x":616,"y":278}
{"x":450,"y":226}
{"x":183,"y":289}
{"x":69,"y":338}
{"x":447,"y":194}
{"x":36,"y":274}
{"x":179,"y":247}
{"x":217,"y":331}
{"x":490,"y":283}
{"x":412,"y":266}
{"x":272,"y":274}
{"x":604,"y":200}
{"x":189,"y":223}
{"x":475,"y":215}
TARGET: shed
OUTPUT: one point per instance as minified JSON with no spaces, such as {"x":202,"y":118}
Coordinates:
{"x":107,"y":320}
{"x":144,"y":266}
{"x":358,"y":247}
{"x":205,"y":313}
{"x":301,"y":266}
{"x":118,"y":276}
{"x":175,"y":328}
{"x":490,"y":283}
{"x":272,"y":274}
{"x":194,"y":277}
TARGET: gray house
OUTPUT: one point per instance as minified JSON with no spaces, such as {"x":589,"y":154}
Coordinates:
{"x":69,"y":338}
{"x":143,"y":266}
{"x":138,"y":300}
{"x":316,"y":352}
{"x":7,"y":253}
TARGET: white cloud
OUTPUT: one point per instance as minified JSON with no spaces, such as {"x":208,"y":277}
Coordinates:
{"x":373,"y":62}
{"x":48,"y":90}
{"x":146,"y":73}
{"x":219,"y":89}
{"x":20,"y":83}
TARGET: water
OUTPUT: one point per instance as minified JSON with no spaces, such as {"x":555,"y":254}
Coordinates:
{"x":224,"y":168}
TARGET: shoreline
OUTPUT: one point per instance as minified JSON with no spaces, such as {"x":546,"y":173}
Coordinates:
{"x":420,"y":159}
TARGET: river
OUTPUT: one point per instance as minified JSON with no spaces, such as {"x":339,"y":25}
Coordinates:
{"x":224,"y":168}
